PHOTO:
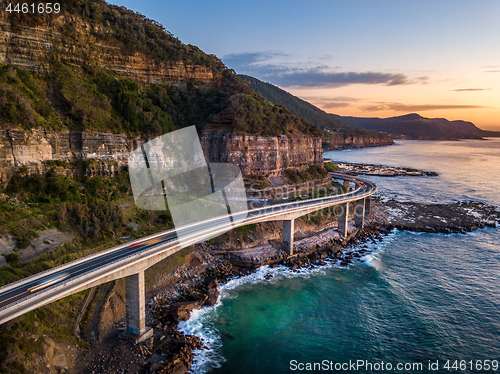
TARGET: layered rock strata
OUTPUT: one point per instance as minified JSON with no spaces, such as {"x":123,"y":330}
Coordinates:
{"x":342,"y":142}
{"x":37,"y":149}
{"x":32,"y":47}
{"x":257,"y":155}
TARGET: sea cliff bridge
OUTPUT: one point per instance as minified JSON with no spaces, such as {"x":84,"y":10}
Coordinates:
{"x":130,"y":260}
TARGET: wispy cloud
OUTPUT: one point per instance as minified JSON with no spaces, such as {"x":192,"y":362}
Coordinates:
{"x":316,"y":78}
{"x":400,"y":107}
{"x":491,"y":68}
{"x":235,"y":60}
{"x":472,"y":89}
{"x":332,"y":102}
{"x":280,"y":69}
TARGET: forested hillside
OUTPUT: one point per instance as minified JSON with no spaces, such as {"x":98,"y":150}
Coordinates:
{"x":98,"y":67}
{"x":337,"y":134}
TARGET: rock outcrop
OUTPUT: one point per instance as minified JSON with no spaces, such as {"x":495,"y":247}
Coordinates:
{"x":32,"y":47}
{"x":257,"y":155}
{"x":37,"y":149}
{"x":341,"y":142}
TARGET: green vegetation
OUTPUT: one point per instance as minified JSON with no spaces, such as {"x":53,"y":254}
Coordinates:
{"x":330,"y":124}
{"x":313,"y":172}
{"x":23,"y":100}
{"x":27,"y":336}
{"x":242,"y":234}
{"x":91,"y":98}
{"x":319,"y":216}
{"x":331,"y":167}
{"x":255,"y":115}
{"x":96,"y":210}
{"x":73,"y":91}
{"x":257,"y":185}
{"x":298,"y":106}
{"x":124,"y":29}
{"x":13,"y":258}
{"x":94,"y":99}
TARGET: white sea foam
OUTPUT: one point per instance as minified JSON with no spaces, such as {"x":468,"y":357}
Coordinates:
{"x":201,"y":321}
{"x":372,"y":257}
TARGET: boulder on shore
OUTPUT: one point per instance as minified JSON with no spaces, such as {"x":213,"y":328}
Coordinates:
{"x":181,"y":311}
{"x":212,"y":292}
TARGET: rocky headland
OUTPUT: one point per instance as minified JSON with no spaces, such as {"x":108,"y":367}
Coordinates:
{"x":338,"y":142}
{"x":351,"y":168}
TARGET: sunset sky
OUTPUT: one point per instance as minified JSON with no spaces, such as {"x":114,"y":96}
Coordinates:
{"x":360,"y":58}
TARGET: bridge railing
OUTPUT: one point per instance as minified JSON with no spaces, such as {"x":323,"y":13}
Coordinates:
{"x":290,"y":205}
{"x":79,"y":276}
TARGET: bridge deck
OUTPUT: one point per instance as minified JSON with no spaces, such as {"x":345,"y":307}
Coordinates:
{"x":30,"y":293}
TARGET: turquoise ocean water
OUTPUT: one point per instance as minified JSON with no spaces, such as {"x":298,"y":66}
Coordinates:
{"x":416,"y":298}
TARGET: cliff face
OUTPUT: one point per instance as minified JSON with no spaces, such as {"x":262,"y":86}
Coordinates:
{"x":90,"y":105}
{"x":256,"y":155}
{"x":36,"y":148}
{"x":341,"y":142}
{"x":31,"y":48}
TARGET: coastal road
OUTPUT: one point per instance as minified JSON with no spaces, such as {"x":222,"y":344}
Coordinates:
{"x":30,"y":293}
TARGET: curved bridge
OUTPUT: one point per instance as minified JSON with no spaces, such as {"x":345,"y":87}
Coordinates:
{"x":131,"y":259}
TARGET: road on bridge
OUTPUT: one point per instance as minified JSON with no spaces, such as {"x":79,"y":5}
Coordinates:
{"x":40,"y":286}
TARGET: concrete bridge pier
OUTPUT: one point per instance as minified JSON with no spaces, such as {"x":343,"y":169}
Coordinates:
{"x":359,"y":213}
{"x":343,"y":218}
{"x":346,"y":185}
{"x":136,"y":309}
{"x":288,"y":230}
{"x":367,"y":204}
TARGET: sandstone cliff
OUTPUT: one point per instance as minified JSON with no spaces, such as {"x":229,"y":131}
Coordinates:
{"x":33,"y":47}
{"x":342,"y":142}
{"x":102,"y":79}
{"x":257,"y":155}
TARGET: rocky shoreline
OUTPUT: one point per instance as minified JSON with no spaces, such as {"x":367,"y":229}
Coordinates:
{"x":195,"y":284}
{"x":354,"y":169}
{"x":460,"y":217}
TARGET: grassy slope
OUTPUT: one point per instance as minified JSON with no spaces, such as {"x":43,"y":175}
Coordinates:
{"x":300,"y":107}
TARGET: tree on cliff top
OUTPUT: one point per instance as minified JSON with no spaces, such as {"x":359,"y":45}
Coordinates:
{"x":80,"y":94}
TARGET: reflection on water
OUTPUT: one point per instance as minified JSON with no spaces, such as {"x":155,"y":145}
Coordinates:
{"x":468,"y":169}
{"x":415,"y":297}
